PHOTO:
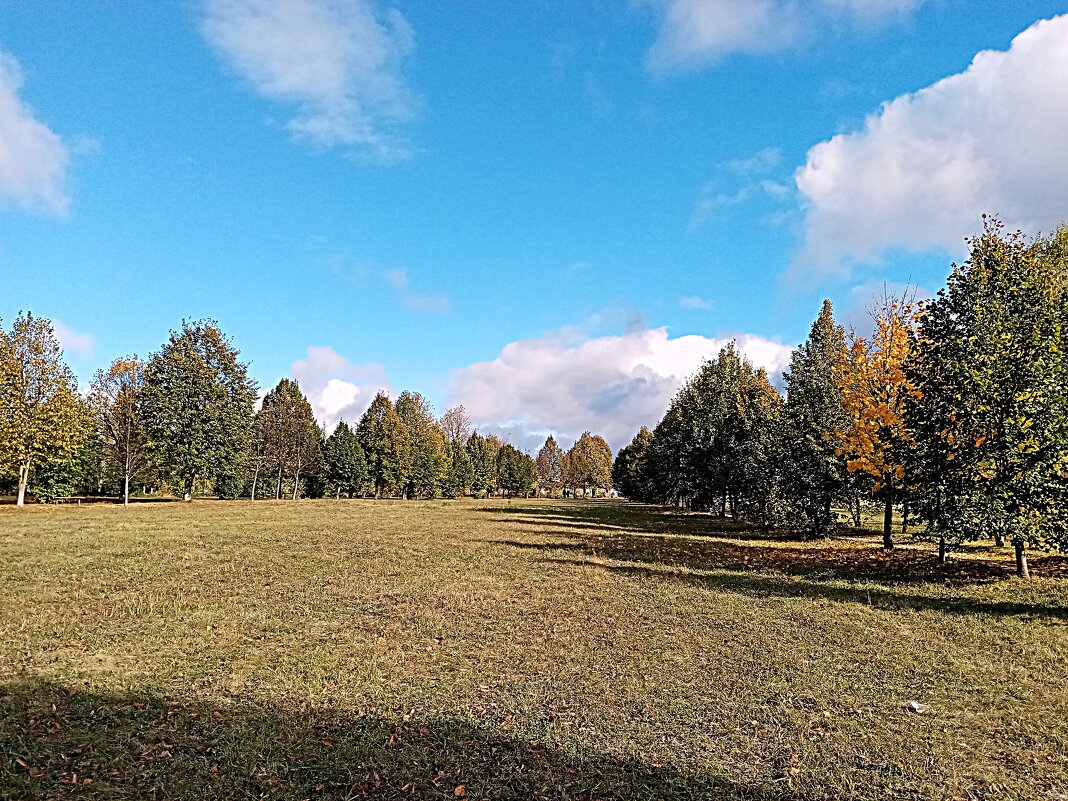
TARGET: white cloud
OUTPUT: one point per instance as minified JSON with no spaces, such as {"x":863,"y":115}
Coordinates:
{"x":336,"y":388}
{"x":566,"y":382}
{"x":33,"y":159}
{"x":748,"y":181}
{"x":694,"y":302}
{"x":73,"y":341}
{"x":334,"y":59}
{"x":695,"y":33}
{"x":923,"y":169}
{"x":414,"y":301}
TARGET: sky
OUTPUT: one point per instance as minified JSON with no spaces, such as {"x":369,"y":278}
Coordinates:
{"x":550,"y":212}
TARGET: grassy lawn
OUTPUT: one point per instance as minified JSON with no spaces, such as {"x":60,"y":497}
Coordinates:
{"x":514,"y":650}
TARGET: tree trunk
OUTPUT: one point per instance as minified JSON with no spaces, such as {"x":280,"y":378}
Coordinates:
{"x":338,"y":492}
{"x":126,"y":490}
{"x":941,"y":550}
{"x":999,"y":539}
{"x":189,"y":488}
{"x":296,"y":481}
{"x":24,"y":479}
{"x":888,"y":521}
{"x":278,"y":486}
{"x":255,"y":478}
{"x":1022,"y":570}
{"x":904,"y":517}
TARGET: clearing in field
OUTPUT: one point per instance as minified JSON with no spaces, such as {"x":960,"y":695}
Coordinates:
{"x":513,"y":650}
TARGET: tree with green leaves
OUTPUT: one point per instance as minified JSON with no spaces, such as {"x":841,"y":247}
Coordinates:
{"x":42,"y":418}
{"x":629,"y":468}
{"x":386,"y":444}
{"x":461,"y":473}
{"x":289,"y":435}
{"x":815,"y":477}
{"x":115,"y":399}
{"x":483,"y":464}
{"x":549,"y":464}
{"x":990,"y":411}
{"x":429,"y":462}
{"x":344,"y":463}
{"x":197,"y":406}
{"x":516,"y":473}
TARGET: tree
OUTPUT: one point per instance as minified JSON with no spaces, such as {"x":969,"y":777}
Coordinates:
{"x":41,"y":416}
{"x":344,"y":463}
{"x":456,"y":424}
{"x":290,"y":434}
{"x":589,"y":464}
{"x":628,"y":470}
{"x":990,"y":413}
{"x":429,"y":464}
{"x":516,"y":473}
{"x":874,"y":388}
{"x":115,"y":399}
{"x":386,"y":444}
{"x":461,"y":473}
{"x":549,"y":465}
{"x":197,"y":405}
{"x":816,"y":475}
{"x":483,"y":464}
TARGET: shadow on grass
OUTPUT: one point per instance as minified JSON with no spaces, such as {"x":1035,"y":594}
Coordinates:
{"x":762,"y":585}
{"x":60,"y":743}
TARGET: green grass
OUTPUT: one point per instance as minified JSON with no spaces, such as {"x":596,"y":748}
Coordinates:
{"x":514,"y":650}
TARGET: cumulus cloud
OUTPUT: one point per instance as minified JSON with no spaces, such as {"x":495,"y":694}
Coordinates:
{"x":336,"y":388}
{"x":565,"y":382}
{"x":414,"y":301}
{"x":695,"y":33}
{"x":73,"y":341}
{"x":33,"y":159}
{"x":926,"y":165}
{"x":336,"y":60}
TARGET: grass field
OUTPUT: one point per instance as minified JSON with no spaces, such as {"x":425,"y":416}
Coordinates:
{"x":514,"y":650}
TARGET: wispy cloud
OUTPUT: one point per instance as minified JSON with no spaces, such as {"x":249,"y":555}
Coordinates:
{"x":337,"y":61}
{"x":696,"y":33}
{"x":741,"y":180}
{"x":33,"y":159}
{"x":415,"y":301}
{"x":76,"y":342}
{"x":694,"y":302}
{"x":926,"y":165}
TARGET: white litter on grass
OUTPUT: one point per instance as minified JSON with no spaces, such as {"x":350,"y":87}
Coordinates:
{"x":917,"y":707}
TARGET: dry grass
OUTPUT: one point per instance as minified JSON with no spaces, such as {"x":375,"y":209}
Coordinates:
{"x":513,"y":650}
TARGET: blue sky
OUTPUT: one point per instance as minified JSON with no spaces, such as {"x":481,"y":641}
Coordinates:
{"x":548,"y":211}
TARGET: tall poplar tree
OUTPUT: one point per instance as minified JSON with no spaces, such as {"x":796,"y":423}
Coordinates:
{"x":197,"y":406}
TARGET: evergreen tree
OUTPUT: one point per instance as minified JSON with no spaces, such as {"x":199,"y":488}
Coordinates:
{"x":629,"y":469}
{"x":42,"y":419}
{"x":516,"y":474}
{"x":815,"y":476}
{"x":344,"y":463}
{"x":386,"y":445}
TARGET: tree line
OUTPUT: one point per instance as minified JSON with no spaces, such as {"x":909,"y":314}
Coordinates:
{"x":185,"y":421}
{"x":953,"y":412}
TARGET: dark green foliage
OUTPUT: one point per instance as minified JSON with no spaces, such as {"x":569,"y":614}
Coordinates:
{"x":386,"y":445}
{"x":461,"y":474}
{"x":288,"y":437}
{"x":344,"y":463}
{"x":198,"y":404}
{"x":815,"y":475}
{"x":629,"y":471}
{"x":516,"y":474}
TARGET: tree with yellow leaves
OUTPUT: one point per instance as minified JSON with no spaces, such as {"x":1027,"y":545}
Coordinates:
{"x":873,"y":385}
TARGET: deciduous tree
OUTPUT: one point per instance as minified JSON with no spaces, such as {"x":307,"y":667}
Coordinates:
{"x":115,"y":399}
{"x":387,"y":445}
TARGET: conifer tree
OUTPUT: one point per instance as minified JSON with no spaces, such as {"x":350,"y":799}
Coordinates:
{"x":815,"y":476}
{"x":549,"y":465}
{"x":344,"y":463}
{"x":386,"y":445}
{"x":629,"y":469}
